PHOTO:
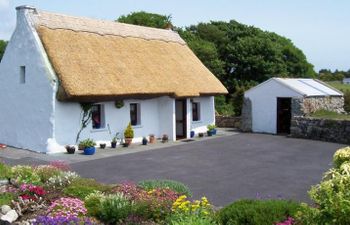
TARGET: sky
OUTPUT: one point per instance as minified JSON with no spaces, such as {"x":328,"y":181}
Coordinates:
{"x":321,"y":28}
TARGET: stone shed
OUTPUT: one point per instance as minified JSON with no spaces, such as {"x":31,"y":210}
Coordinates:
{"x":270,"y":106}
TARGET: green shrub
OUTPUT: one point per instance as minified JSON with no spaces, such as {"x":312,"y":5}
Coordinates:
{"x":114,"y":208}
{"x":6,"y":198}
{"x":257,"y":212}
{"x":82,"y":187}
{"x":87,"y":143}
{"x":332,"y":197}
{"x":25,"y":174}
{"x":342,"y":155}
{"x":93,"y":203}
{"x":5,"y":171}
{"x":222,"y":107}
{"x":176,"y":186}
{"x":129,"y":132}
{"x":191,"y":220}
{"x":45,"y":172}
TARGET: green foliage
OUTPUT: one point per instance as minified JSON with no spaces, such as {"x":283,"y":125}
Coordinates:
{"x":25,"y":174}
{"x":237,"y":97}
{"x":5,"y":171}
{"x":222,"y":107}
{"x":181,"y":219}
{"x":46,"y":172}
{"x":260,"y":212}
{"x":129,"y":132}
{"x":328,"y":75}
{"x":329,"y":115}
{"x":86,"y":114}
{"x":211,"y":127}
{"x":114,"y":208}
{"x":176,"y":186}
{"x":93,"y":203}
{"x":146,"y":19}
{"x":87,"y":143}
{"x":345,"y":88}
{"x":6,"y":198}
{"x":82,"y":187}
{"x":3,"y":45}
{"x":341,"y":156}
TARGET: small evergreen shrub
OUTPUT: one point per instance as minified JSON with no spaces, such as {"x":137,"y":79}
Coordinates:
{"x":341,"y":156}
{"x":6,"y":198}
{"x":129,"y":132}
{"x":5,"y":171}
{"x":93,"y":203}
{"x":82,"y":187}
{"x":176,"y":186}
{"x":262,"y":212}
{"x":115,"y":208}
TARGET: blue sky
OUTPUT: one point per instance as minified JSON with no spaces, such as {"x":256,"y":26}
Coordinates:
{"x":321,"y":28}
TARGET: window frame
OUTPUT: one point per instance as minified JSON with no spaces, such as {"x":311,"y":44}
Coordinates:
{"x":22,"y":74}
{"x":198,"y":112}
{"x":136,"y":114}
{"x":102,"y":115}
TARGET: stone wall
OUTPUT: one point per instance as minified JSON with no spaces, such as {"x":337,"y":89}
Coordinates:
{"x":246,"y":124}
{"x":228,"y":121}
{"x":321,"y":129}
{"x":308,"y":105}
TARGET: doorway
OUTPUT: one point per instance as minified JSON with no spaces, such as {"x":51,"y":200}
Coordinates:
{"x":181,"y":123}
{"x":284,"y":115}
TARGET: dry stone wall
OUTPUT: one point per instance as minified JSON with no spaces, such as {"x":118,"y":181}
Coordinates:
{"x":228,"y":121}
{"x":308,"y":105}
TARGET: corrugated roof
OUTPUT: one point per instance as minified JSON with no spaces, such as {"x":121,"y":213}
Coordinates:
{"x":309,"y":87}
{"x":104,"y":60}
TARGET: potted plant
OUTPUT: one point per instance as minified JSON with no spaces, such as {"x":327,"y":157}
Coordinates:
{"x":152,"y":138}
{"x":70,"y":149}
{"x":211,"y":130}
{"x":102,"y":145}
{"x":128,"y":134}
{"x":115,"y":140}
{"x":89,"y":146}
{"x":200,"y":134}
{"x":165,"y":138}
{"x":144,"y":141}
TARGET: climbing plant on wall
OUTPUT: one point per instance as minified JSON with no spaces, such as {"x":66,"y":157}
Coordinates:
{"x":85,"y":117}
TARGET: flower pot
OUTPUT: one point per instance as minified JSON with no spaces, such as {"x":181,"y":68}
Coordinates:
{"x":70,"y":149}
{"x":200,"y":134}
{"x":113,"y":144}
{"x":89,"y":150}
{"x":165,"y":138}
{"x":192,"y":134}
{"x":128,"y":141}
{"x":144,"y":141}
{"x":103,"y":145}
{"x":210,"y":133}
{"x":214,"y":131}
{"x":152,"y":139}
{"x":81,"y":147}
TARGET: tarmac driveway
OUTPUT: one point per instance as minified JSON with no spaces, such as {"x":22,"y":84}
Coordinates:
{"x":225,"y":169}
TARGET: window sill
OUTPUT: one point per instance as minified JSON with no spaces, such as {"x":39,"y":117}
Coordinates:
{"x":137,"y":126}
{"x":98,"y":130}
{"x":198,"y":121}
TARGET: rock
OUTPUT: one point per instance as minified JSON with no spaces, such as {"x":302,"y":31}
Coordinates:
{"x":5,"y":209}
{"x":4,"y":222}
{"x":10,"y":217}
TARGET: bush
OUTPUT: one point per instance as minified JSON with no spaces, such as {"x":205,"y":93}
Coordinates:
{"x":5,"y":171}
{"x":191,"y":220}
{"x":222,"y":107}
{"x":6,"y":198}
{"x":114,"y":208}
{"x":62,"y":180}
{"x":176,"y":186}
{"x":129,"y":132}
{"x":25,"y":174}
{"x":81,"y":187}
{"x":257,"y":212}
{"x":45,"y":172}
{"x":93,"y":203}
{"x":342,"y":155}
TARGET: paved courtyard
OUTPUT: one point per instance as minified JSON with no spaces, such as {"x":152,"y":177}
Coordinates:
{"x":224,"y":169}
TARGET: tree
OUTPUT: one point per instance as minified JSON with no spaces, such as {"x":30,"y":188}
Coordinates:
{"x":147,"y":19}
{"x":3,"y":45}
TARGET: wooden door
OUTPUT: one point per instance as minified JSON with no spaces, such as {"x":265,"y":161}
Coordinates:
{"x":180,"y":111}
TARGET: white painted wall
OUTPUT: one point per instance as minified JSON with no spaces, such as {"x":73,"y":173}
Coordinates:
{"x":207,"y":114}
{"x":157,"y":117}
{"x":264,"y":105}
{"x":26,"y":111}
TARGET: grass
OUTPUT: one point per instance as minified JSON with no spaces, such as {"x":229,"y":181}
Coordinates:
{"x":339,"y":85}
{"x":329,"y":115}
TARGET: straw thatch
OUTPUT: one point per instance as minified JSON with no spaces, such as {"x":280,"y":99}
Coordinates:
{"x":101,"y":60}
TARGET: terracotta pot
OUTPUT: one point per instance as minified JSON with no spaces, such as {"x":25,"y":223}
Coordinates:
{"x":152,"y":139}
{"x":128,"y":141}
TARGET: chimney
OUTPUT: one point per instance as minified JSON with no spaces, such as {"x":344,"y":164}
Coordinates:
{"x":23,"y":11}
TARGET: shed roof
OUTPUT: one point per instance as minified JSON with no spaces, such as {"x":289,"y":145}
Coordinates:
{"x":104,"y":60}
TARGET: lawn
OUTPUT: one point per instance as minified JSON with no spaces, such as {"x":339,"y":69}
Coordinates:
{"x":339,"y":85}
{"x":330,"y":115}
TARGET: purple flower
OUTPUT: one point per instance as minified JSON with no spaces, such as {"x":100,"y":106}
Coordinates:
{"x":47,"y":220}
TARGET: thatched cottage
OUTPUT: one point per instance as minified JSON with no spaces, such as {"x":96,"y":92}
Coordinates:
{"x":54,"y":62}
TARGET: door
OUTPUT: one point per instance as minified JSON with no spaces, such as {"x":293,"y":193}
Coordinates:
{"x":180,"y":110}
{"x":284,"y":115}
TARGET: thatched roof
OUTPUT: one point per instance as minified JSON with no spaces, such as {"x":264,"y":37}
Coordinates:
{"x":104,"y":60}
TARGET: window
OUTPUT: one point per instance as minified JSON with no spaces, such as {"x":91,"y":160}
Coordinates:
{"x":135,"y":114}
{"x":196,"y":111}
{"x":97,"y":117}
{"x":22,"y":75}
